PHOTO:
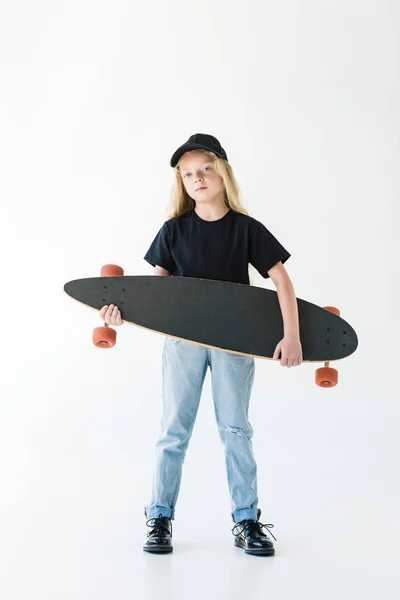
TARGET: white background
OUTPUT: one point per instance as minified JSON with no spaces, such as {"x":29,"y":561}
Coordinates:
{"x":95,"y":98}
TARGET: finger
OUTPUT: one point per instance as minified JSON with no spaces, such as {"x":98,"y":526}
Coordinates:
{"x":104,"y":313}
{"x":277,"y":352}
{"x":109,"y":314}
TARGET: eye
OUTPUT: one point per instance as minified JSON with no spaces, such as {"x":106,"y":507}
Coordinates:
{"x":190,"y":173}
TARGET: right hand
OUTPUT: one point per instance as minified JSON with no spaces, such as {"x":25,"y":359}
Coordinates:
{"x":111,"y":315}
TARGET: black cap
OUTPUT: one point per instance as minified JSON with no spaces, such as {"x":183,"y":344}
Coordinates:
{"x":199,"y":141}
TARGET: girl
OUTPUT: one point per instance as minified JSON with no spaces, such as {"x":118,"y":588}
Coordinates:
{"x":210,"y":235}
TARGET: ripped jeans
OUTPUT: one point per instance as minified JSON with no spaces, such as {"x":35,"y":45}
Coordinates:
{"x":184,"y":367}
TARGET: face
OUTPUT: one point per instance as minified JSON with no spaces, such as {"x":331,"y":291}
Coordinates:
{"x":197,"y":171}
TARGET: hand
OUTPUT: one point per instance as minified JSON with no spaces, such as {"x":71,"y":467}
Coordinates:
{"x":291,"y":352}
{"x":111,"y":315}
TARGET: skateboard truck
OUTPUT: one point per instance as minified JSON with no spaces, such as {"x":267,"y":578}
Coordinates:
{"x":106,"y":337}
{"x":326,"y":376}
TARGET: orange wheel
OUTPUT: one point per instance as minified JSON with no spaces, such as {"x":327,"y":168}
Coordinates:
{"x":111,"y":271}
{"x":104,"y":337}
{"x":326,"y":377}
{"x":332,"y":309}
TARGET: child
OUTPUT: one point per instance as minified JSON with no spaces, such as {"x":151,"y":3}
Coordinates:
{"x":210,"y":235}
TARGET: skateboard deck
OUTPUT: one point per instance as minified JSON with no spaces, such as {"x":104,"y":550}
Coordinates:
{"x":228,"y":316}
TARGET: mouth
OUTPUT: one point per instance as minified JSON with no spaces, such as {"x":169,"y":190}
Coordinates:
{"x":199,"y":189}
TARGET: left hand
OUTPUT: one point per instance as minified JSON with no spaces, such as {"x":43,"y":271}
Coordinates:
{"x":290,"y":350}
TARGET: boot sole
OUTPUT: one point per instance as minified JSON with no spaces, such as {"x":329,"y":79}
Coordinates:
{"x":260,"y":551}
{"x":158,"y":549}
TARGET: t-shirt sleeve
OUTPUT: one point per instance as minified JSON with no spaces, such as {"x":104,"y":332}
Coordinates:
{"x":159,"y":252}
{"x":264,"y":249}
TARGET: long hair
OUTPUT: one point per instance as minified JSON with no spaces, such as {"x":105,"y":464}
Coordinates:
{"x":180,"y":202}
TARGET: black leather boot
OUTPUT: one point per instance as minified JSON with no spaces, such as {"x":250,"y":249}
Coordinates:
{"x":159,"y":538}
{"x":251,"y":537}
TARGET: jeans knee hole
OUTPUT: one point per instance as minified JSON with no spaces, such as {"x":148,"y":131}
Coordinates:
{"x":235,"y":430}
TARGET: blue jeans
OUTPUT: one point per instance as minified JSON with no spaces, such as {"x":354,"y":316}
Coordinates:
{"x":184,"y":367}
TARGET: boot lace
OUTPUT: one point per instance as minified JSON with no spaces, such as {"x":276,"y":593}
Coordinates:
{"x":159,"y":526}
{"x":251,"y":525}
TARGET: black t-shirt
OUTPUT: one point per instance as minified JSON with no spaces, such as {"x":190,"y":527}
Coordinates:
{"x":189,"y":246}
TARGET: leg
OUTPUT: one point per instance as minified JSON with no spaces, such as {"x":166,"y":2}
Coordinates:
{"x":232,"y":377}
{"x":184,"y":367}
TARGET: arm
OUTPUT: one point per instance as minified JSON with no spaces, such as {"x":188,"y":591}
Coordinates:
{"x":161,"y":271}
{"x":290,"y":346}
{"x":287,"y":299}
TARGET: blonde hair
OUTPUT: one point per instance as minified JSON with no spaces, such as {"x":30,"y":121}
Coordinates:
{"x":180,"y":202}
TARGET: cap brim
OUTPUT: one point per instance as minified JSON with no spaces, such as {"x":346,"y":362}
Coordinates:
{"x":186,"y":148}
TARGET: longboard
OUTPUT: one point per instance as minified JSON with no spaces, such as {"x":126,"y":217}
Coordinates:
{"x":229,"y":316}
